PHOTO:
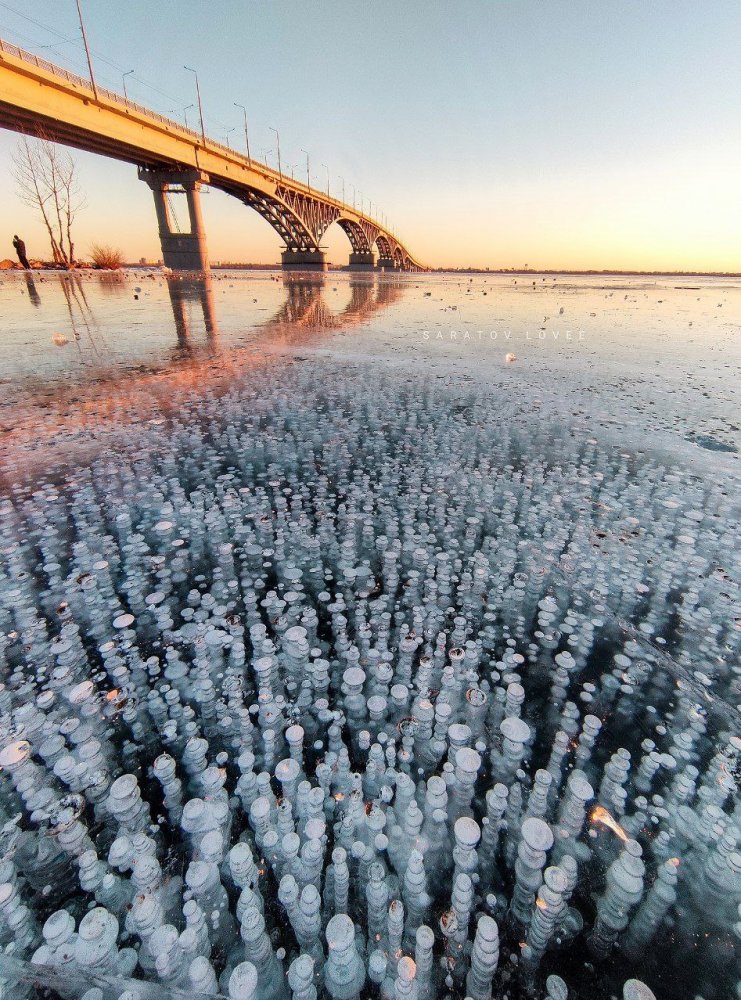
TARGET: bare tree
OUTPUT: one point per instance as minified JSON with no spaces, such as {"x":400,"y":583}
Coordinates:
{"x":46,"y":178}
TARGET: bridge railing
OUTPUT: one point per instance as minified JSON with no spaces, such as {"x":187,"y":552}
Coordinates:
{"x":109,"y":95}
{"x":19,"y":53}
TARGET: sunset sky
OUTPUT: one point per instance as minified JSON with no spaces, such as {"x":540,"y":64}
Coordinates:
{"x":565,"y":134}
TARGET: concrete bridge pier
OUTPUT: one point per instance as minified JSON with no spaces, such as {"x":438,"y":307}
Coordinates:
{"x":362,"y":261}
{"x":181,"y":251}
{"x":386,"y":264}
{"x":303,"y":260}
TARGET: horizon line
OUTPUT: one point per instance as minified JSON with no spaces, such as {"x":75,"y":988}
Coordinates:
{"x":247,"y":265}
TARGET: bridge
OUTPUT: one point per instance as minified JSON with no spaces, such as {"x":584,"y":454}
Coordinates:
{"x":39,"y":98}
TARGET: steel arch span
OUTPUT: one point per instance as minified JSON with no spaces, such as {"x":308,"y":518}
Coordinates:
{"x":39,"y":98}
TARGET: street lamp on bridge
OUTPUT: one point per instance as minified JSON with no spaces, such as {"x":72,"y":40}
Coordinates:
{"x":353,"y":195}
{"x":343,"y":187}
{"x":123,"y":78}
{"x":327,"y":169}
{"x":87,"y":50}
{"x":200,"y":106}
{"x":227,"y":131}
{"x":246,"y":134}
{"x":277,"y":144}
{"x":308,"y":174}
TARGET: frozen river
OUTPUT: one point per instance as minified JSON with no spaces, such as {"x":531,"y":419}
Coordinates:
{"x":648,"y":361}
{"x":330,"y":595}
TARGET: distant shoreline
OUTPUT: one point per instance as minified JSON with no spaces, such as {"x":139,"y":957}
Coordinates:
{"x":8,"y":266}
{"x":507,"y":270}
{"x":597,"y":274}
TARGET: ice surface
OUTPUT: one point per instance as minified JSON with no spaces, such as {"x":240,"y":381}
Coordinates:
{"x":445,"y":647}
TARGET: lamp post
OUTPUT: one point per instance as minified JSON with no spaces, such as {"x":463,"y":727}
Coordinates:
{"x":186,"y":109}
{"x":127,"y":73}
{"x":343,"y":188}
{"x":327,"y":169}
{"x":227,"y":131}
{"x":308,"y":174}
{"x":353,"y":195}
{"x":246,"y":134}
{"x":360,"y":197}
{"x":87,"y":51}
{"x":277,"y":146}
{"x":200,"y":106}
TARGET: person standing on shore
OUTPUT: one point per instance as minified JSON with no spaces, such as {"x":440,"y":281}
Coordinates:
{"x":20,"y":249}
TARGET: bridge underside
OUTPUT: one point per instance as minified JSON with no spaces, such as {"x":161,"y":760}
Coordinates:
{"x":300,"y":219}
{"x":31,"y":124}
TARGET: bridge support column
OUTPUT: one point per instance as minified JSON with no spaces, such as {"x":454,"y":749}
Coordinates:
{"x":386,"y":264}
{"x":181,"y":251}
{"x":362,"y":261}
{"x":303,"y":260}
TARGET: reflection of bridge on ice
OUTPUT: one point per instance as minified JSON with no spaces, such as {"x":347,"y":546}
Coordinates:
{"x":305,"y":309}
{"x":38,"y":97}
